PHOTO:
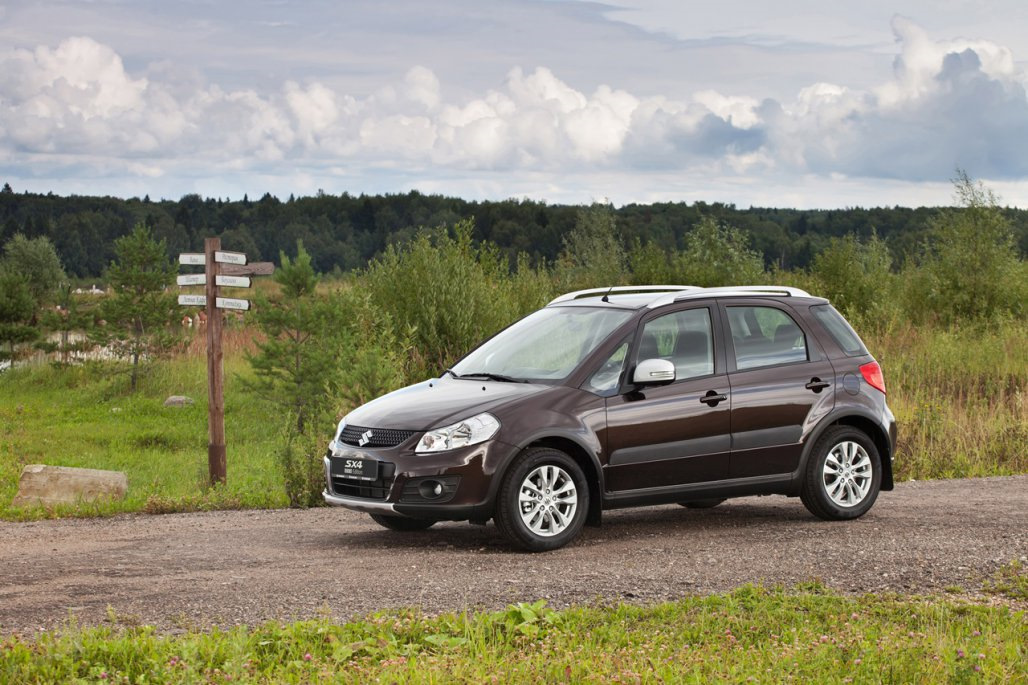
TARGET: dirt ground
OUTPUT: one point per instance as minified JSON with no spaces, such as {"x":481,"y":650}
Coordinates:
{"x":223,"y":568}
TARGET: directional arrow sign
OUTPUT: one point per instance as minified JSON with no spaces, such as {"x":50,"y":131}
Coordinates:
{"x":193,"y":300}
{"x":254,"y":269}
{"x":192,"y":258}
{"x":230,"y":257}
{"x":231,"y":303}
{"x":192,"y":279}
{"x":232,"y":281}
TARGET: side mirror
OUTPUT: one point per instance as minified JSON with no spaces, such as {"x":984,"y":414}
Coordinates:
{"x":654,"y":372}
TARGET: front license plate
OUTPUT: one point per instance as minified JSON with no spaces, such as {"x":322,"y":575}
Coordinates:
{"x":361,"y":469}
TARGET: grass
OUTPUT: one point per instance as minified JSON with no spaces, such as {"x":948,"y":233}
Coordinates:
{"x":960,"y":397}
{"x":84,"y":417}
{"x":750,"y":635}
{"x":1010,"y":581}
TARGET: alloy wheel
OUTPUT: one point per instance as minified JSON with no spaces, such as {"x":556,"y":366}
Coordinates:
{"x":547,"y":500}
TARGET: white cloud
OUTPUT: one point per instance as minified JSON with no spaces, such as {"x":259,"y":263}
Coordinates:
{"x":947,"y":103}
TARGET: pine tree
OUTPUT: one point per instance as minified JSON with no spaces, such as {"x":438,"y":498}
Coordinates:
{"x":294,"y":366}
{"x":16,"y":311}
{"x":140,"y":311}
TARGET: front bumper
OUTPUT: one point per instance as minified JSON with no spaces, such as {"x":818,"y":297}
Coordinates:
{"x":467,"y":477}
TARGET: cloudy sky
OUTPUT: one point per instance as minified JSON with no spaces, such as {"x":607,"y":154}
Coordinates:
{"x":792,"y":103}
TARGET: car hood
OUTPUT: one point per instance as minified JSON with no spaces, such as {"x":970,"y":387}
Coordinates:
{"x":438,"y":402}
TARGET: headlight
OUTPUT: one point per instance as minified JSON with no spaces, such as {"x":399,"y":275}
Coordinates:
{"x":334,"y":444}
{"x":461,"y":434}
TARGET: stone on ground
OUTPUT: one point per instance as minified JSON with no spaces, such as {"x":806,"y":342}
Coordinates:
{"x":40,"y":484}
{"x":178,"y":401}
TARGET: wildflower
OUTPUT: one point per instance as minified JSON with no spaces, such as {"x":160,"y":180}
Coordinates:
{"x":960,"y":654}
{"x":977,"y":633}
{"x":307,"y":656}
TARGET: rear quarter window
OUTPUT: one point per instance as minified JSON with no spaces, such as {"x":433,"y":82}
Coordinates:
{"x":840,"y":330}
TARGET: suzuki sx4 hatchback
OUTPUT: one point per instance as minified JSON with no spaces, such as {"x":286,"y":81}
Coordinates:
{"x":622,"y":397}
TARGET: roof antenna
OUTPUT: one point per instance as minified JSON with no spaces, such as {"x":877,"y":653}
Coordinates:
{"x":605,"y":297}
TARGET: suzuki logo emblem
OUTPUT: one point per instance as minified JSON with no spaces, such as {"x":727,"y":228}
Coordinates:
{"x":365,"y":438}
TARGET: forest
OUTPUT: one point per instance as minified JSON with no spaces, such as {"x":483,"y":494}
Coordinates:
{"x":344,"y":232}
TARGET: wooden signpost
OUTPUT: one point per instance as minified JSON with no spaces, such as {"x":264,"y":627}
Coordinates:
{"x":221,"y":269}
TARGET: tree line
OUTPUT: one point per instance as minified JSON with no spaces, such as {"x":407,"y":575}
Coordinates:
{"x":344,"y":232}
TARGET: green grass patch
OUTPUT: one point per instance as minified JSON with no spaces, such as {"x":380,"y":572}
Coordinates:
{"x":751,"y":634}
{"x":1010,"y":581}
{"x":85,"y":417}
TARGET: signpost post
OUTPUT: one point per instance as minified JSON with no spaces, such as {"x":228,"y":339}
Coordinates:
{"x":221,"y":269}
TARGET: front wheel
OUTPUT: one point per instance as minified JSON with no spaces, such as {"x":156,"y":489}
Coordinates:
{"x":843,"y":476}
{"x":543,"y":500}
{"x":402,"y":523}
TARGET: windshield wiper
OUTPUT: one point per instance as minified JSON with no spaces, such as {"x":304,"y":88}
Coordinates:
{"x":492,"y":377}
{"x":451,"y":372}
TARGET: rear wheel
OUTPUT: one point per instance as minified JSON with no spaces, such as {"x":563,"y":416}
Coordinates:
{"x":402,"y":523}
{"x":543,"y":500}
{"x":702,"y":503}
{"x":843,"y":476}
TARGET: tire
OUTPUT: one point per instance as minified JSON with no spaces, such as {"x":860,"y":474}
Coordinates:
{"x":529,"y":514}
{"x":853,"y":454}
{"x":702,"y":503}
{"x":402,"y":523}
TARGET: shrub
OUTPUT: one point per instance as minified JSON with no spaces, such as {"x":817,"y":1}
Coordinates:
{"x":717,"y":255}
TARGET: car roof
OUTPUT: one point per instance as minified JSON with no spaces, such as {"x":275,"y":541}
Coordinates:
{"x":654,"y":296}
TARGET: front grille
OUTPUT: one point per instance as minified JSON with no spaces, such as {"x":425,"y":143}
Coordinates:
{"x":380,"y":437}
{"x":366,"y":489}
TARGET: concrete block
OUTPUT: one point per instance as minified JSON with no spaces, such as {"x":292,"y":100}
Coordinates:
{"x":40,"y":484}
{"x":178,"y":401}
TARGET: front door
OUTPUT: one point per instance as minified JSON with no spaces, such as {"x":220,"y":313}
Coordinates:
{"x":679,"y":433}
{"x":782,"y":385}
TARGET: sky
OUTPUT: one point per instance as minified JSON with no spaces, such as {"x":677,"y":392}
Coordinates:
{"x":788,"y":104}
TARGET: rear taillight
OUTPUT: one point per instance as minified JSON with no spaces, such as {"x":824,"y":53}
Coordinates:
{"x":872,"y":374}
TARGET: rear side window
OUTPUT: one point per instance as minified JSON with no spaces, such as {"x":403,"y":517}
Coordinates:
{"x":765,"y":336}
{"x":840,"y":330}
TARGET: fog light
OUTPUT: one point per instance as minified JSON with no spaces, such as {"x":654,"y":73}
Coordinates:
{"x":430,"y":489}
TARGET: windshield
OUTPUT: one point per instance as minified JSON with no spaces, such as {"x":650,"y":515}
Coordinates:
{"x":546,"y":345}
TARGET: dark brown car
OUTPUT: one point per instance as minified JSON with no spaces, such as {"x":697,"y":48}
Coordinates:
{"x":623,"y":397}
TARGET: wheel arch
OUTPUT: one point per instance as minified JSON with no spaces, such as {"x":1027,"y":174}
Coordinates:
{"x":587,"y":462}
{"x":865,"y":424}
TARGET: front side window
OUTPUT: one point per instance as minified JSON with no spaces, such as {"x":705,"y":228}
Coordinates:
{"x":684,"y":338}
{"x":546,"y":345}
{"x":607,"y":378}
{"x":765,"y":336}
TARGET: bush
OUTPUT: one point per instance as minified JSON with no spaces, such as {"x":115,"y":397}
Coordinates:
{"x":446,"y":291}
{"x":971,"y":269}
{"x":717,"y":255}
{"x":857,"y":277}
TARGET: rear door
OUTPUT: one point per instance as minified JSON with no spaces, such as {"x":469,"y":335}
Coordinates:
{"x":678,"y":433}
{"x":782,"y":384}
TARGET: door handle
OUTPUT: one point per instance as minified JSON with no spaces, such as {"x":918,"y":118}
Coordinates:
{"x":816,"y":384}
{"x":712,"y":398}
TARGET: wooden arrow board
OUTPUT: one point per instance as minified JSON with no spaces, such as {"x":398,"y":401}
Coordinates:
{"x":232,"y":281}
{"x":192,"y":258}
{"x":231,"y":303}
{"x":230,"y":257}
{"x":254,"y":269}
{"x":192,"y":279}
{"x":193,"y":300}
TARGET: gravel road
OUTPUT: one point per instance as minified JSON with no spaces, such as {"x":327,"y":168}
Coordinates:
{"x":223,"y":568}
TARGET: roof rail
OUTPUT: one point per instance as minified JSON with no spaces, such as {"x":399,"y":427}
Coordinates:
{"x":730,"y":291}
{"x":621,"y":289}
